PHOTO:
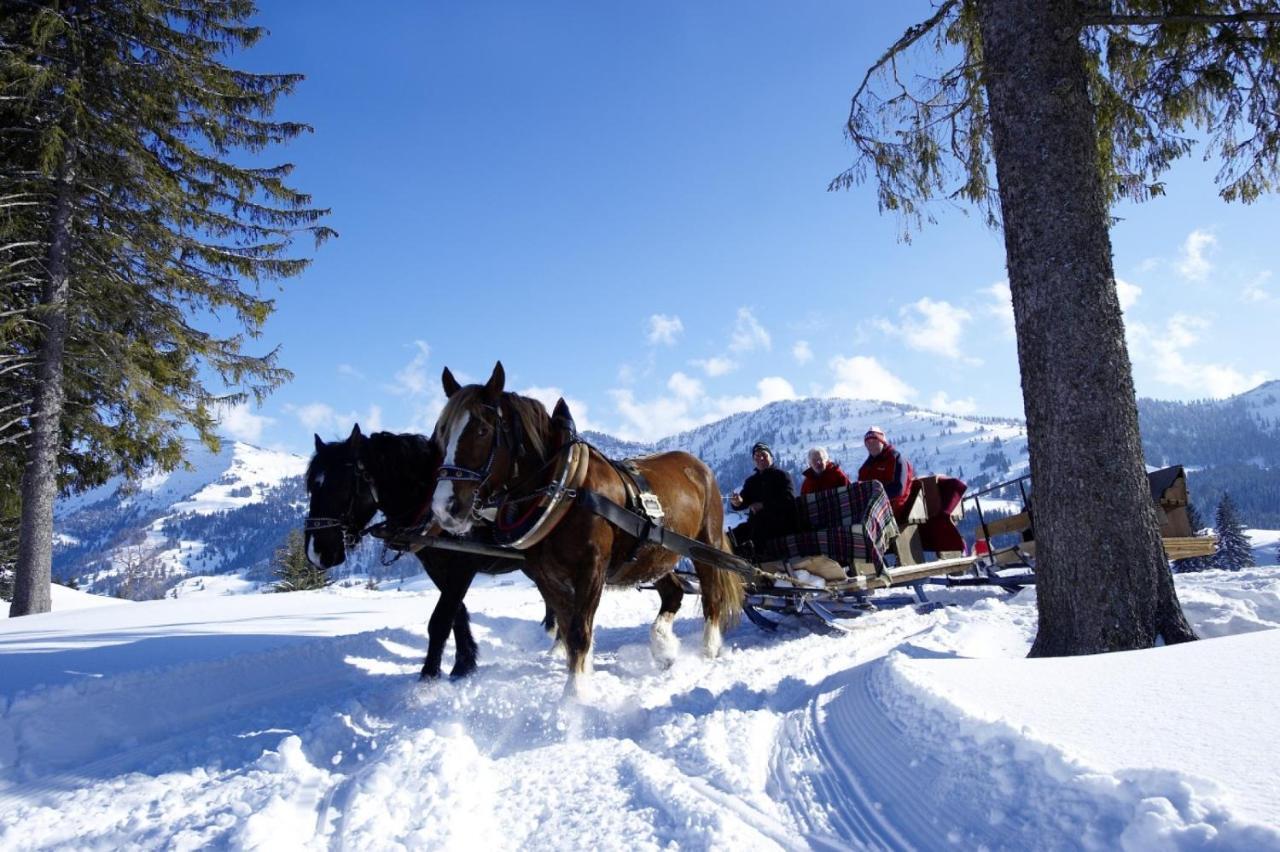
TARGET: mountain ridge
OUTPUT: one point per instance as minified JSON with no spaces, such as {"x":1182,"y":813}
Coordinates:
{"x":232,"y":509}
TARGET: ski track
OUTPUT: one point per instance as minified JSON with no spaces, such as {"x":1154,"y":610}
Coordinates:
{"x":790,"y":741}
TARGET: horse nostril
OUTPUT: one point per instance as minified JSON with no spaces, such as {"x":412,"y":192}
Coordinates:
{"x":452,"y":506}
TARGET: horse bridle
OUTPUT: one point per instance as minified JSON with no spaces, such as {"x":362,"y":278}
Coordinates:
{"x":504,"y":437}
{"x":351,"y":532}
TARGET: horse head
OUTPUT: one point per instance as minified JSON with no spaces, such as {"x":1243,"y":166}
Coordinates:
{"x":486,"y":434}
{"x":341,"y":500}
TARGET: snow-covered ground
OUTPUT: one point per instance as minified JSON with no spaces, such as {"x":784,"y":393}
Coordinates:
{"x":1264,"y":544}
{"x":295,"y":721}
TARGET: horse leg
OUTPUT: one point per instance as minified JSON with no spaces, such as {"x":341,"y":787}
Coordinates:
{"x":581,"y":626}
{"x":550,"y":622}
{"x":449,"y":614}
{"x":712,"y":637}
{"x":662,"y":638}
{"x":466,"y":651}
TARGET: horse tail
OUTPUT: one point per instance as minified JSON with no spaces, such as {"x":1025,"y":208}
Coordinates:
{"x":723,"y":591}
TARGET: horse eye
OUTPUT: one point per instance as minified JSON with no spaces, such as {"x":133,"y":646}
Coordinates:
{"x":483,"y":431}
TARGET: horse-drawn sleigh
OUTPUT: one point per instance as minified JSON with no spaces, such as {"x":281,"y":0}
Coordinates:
{"x":503,"y":485}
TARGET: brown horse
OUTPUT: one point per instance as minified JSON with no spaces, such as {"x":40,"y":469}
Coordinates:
{"x":495,"y":446}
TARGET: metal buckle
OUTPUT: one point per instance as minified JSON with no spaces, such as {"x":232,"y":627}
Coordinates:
{"x":652,"y":506}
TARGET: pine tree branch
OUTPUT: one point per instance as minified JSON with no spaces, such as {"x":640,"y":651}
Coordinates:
{"x":910,"y":37}
{"x":1094,"y":19}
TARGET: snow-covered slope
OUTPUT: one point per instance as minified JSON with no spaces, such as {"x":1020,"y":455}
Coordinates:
{"x":296,"y":721}
{"x":977,"y":449}
{"x":155,"y":531}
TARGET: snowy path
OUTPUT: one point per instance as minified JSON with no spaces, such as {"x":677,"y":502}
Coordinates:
{"x":295,"y":721}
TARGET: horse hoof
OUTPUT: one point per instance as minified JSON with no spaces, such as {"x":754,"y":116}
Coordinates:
{"x":459,"y":672}
{"x":429,"y":675}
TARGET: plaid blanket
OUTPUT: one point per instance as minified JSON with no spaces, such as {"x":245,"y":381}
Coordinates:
{"x":846,"y":524}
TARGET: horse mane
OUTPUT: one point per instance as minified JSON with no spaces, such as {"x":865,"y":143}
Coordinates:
{"x":535,"y":423}
{"x":409,"y":455}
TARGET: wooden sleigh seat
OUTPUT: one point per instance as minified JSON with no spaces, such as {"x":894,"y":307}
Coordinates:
{"x":852,"y":542}
{"x":1168,"y":492}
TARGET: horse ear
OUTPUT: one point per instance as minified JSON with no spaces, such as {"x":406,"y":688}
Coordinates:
{"x":355,"y":436}
{"x":493,"y":388}
{"x":319,"y":443}
{"x":451,"y":385}
{"x":562,"y":418}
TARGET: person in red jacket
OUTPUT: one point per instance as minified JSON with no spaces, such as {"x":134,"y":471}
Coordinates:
{"x":887,"y":465}
{"x":822,"y":473}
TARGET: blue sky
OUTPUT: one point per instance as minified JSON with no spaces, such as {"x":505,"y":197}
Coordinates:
{"x":627,"y":205}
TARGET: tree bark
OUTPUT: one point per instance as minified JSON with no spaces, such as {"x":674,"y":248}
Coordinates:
{"x":1102,"y":582}
{"x":34,"y":568}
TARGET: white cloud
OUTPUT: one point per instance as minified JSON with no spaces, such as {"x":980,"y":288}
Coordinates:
{"x":412,"y":379}
{"x":716,"y":365}
{"x":941,"y":402}
{"x":241,"y":424}
{"x":1128,"y":294}
{"x":802,"y":352}
{"x":664,"y":329}
{"x":1193,"y":264}
{"x":936,"y":327}
{"x":684,"y":386}
{"x":1256,"y":291}
{"x":1001,"y":306}
{"x":316,"y":416}
{"x":322,"y":419}
{"x":348,"y":370}
{"x":748,"y":333}
{"x":685,"y":408}
{"x":863,"y":377}
{"x":882,"y":326}
{"x":549,"y":395}
{"x":1163,"y":350}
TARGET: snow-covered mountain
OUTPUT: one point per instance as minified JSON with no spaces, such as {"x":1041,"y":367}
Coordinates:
{"x":231,"y":510}
{"x":979,"y":450}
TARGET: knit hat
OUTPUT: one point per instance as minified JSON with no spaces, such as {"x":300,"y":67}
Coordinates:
{"x":761,"y":447}
{"x":875,"y":432}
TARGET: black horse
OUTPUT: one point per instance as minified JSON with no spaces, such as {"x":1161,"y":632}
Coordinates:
{"x":349,"y":481}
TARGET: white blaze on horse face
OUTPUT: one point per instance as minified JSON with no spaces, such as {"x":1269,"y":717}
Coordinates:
{"x":446,"y":488}
{"x":312,"y":556}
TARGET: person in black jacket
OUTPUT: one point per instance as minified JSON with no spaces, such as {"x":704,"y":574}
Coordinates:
{"x":768,"y":496}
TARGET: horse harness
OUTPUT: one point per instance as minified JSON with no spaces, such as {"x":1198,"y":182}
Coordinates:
{"x":641,"y":517}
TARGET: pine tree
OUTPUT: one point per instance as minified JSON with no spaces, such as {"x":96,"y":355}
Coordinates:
{"x":295,"y":571}
{"x":1076,"y":105}
{"x":129,"y":221}
{"x":1234,"y":552}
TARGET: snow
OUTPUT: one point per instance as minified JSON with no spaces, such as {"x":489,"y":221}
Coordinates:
{"x":64,"y":599}
{"x":296,"y":721}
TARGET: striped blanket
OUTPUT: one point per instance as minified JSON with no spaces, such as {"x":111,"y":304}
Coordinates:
{"x":854,"y":523}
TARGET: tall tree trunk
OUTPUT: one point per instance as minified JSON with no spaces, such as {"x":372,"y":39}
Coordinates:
{"x":1102,"y":582}
{"x":31,"y":593}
